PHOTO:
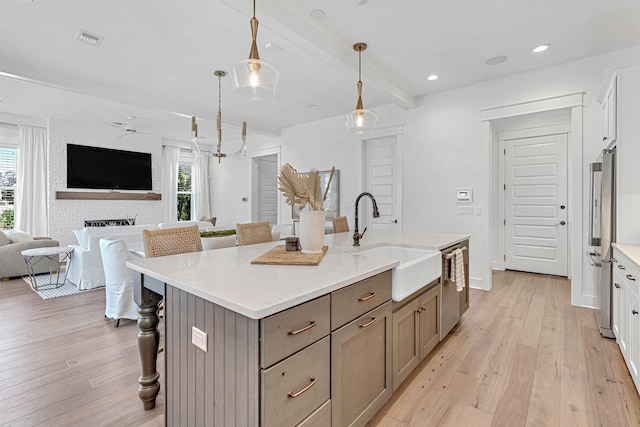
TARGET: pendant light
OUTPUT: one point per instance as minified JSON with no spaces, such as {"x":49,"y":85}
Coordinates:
{"x":218,"y":153}
{"x":360,"y":120}
{"x":253,"y":78}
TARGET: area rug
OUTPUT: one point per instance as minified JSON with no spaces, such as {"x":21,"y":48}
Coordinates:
{"x":47,"y":291}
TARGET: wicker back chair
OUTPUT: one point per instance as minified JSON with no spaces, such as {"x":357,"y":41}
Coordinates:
{"x":171,"y":241}
{"x":340,"y":224}
{"x":253,"y":232}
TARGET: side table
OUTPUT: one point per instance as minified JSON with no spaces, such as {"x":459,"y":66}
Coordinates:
{"x":56,"y":256}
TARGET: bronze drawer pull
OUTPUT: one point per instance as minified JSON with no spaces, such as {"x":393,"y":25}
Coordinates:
{"x":616,"y":285}
{"x":371,"y":295}
{"x":298,"y":393}
{"x":621,"y":267}
{"x":634,"y":311}
{"x":301,"y":330}
{"x":630,"y":277}
{"x":369,"y":323}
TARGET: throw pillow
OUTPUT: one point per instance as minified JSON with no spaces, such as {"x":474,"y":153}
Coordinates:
{"x":18,"y":236}
{"x":4,"y":239}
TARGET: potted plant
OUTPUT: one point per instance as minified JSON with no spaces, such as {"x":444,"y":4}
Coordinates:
{"x":305,"y":191}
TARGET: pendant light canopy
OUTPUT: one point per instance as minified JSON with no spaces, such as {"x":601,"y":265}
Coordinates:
{"x":360,"y":120}
{"x":253,"y":78}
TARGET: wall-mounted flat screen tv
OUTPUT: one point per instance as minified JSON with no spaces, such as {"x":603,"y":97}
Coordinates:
{"x":105,"y":168}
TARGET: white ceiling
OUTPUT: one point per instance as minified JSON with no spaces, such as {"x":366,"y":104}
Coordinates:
{"x":158,"y":56}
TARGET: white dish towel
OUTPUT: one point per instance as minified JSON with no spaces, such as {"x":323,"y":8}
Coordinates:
{"x":457,"y":269}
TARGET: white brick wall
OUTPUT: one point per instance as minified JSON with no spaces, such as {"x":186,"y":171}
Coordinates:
{"x":67,"y":215}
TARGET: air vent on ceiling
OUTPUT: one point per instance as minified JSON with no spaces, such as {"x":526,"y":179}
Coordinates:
{"x":88,"y":38}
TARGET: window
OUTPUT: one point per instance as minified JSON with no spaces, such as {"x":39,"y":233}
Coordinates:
{"x":8,"y":178}
{"x":185,"y":191}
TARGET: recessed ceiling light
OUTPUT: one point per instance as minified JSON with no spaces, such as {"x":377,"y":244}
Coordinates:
{"x":361,"y":2}
{"x":541,"y":48}
{"x":495,"y":60}
{"x":432,"y":77}
{"x":317,"y":14}
{"x":313,"y":106}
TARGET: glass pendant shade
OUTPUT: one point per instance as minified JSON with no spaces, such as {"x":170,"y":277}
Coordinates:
{"x":360,"y":121}
{"x":254,"y":79}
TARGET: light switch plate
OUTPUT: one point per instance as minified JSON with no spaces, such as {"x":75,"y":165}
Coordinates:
{"x":199,"y":338}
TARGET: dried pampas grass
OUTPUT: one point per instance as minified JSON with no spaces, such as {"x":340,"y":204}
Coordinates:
{"x":303,"y":189}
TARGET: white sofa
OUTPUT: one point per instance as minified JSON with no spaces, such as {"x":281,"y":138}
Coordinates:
{"x":86,"y":270}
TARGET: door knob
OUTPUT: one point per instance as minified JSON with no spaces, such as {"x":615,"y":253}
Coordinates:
{"x":395,"y":221}
{"x":562,"y":223}
{"x":562,"y":206}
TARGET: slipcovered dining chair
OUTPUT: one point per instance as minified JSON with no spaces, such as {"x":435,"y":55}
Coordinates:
{"x":118,"y":281}
{"x":171,"y":241}
{"x":253,"y":232}
{"x":340,"y":224}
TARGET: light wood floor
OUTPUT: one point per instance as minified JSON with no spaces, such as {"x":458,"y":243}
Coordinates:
{"x":521,"y":356}
{"x":63,"y":364}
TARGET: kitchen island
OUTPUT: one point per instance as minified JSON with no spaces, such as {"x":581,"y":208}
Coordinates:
{"x":235,"y":303}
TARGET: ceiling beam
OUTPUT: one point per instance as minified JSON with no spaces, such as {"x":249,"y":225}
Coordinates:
{"x":37,"y":75}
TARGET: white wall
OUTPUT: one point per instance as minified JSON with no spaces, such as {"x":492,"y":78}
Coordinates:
{"x":67,"y":215}
{"x":442,"y":149}
{"x":231,"y":180}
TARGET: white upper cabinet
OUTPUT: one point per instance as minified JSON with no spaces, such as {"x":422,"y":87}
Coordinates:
{"x":609,"y":111}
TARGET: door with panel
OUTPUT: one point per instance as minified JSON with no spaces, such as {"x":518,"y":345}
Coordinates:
{"x":266,"y":208}
{"x":383,"y":179}
{"x":535,"y":204}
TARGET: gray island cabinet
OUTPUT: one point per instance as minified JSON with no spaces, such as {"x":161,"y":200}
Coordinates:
{"x":263,"y":345}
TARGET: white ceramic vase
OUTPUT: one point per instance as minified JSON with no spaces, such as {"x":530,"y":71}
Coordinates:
{"x":312,"y":231}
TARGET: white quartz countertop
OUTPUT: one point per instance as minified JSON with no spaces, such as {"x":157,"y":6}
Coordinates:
{"x":226,"y":276}
{"x":630,"y":250}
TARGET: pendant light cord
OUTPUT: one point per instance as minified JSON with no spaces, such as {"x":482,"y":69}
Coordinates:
{"x":254,"y":8}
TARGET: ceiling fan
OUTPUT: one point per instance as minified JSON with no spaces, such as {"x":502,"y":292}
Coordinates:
{"x":129,"y":127}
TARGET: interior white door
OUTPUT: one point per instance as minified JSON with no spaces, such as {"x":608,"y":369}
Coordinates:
{"x":384,"y":181}
{"x":536,"y":204}
{"x":267,"y":189}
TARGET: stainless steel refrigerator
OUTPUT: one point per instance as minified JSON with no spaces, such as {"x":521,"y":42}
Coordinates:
{"x":602,"y":232}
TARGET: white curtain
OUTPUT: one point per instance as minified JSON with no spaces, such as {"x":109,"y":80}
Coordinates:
{"x":170,"y":161}
{"x":31,"y":197}
{"x":200,"y":182}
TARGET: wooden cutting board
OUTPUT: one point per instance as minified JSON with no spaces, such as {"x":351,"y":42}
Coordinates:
{"x":279,"y":255}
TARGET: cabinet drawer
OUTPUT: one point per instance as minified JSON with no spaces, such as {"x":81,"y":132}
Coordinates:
{"x":295,"y":387}
{"x":284,"y":333}
{"x":355,"y":300}
{"x":321,"y":417}
{"x":628,"y":271}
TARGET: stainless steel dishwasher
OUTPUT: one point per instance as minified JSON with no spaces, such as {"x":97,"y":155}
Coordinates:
{"x":453,"y":303}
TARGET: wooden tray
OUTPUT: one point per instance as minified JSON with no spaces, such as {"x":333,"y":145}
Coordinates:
{"x":278,"y":255}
